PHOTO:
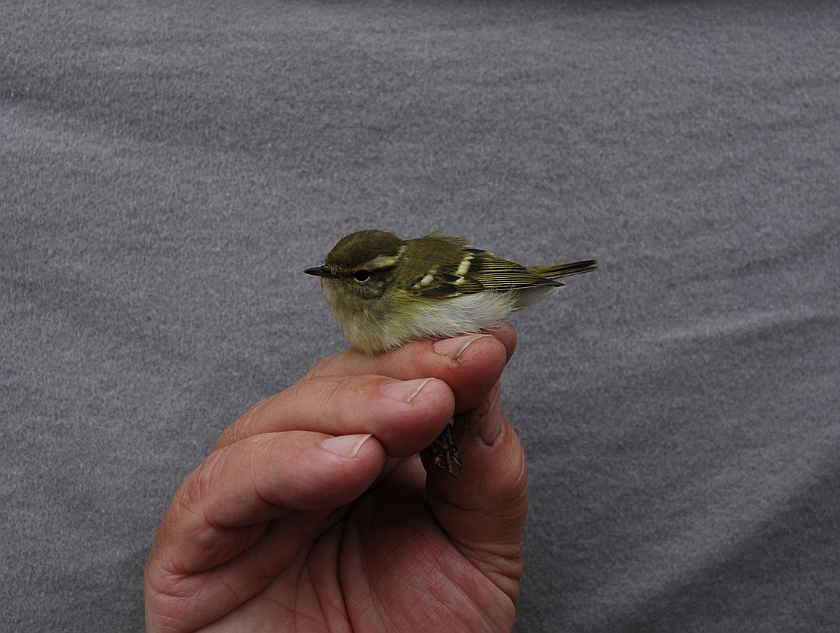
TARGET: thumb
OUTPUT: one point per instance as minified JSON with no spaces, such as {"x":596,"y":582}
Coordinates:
{"x":483,"y":510}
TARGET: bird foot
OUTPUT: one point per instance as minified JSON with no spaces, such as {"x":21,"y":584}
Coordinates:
{"x":445,"y":453}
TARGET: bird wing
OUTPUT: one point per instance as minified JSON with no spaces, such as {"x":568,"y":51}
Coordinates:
{"x":477,"y":271}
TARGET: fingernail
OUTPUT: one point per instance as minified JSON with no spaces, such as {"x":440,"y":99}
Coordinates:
{"x":454,"y":347}
{"x":344,"y":445}
{"x":491,"y":422}
{"x":403,"y":390}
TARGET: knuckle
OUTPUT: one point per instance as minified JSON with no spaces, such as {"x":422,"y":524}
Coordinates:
{"x":197,"y":494}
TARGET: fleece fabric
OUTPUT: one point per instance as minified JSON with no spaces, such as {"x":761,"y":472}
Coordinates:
{"x":169,"y":169}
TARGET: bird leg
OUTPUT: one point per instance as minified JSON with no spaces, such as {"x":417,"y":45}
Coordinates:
{"x":445,"y":453}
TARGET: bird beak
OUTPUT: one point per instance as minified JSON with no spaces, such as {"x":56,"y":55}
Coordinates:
{"x":320,"y":271}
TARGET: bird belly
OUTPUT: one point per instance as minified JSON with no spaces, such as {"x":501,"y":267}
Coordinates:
{"x":461,"y":314}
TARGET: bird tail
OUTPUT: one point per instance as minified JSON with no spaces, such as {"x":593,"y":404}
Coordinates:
{"x":563,"y":270}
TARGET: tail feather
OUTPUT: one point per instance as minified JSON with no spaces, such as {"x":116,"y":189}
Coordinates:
{"x":563,"y":270}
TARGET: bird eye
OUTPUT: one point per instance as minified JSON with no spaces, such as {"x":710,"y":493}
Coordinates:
{"x":361,"y":275}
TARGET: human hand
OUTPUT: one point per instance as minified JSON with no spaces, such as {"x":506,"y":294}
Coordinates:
{"x":311,"y":514}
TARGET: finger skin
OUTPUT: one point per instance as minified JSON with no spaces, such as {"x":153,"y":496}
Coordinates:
{"x":470,"y":374}
{"x":271,"y":491}
{"x":345,"y":405}
{"x":506,"y":335}
{"x":483,"y":511}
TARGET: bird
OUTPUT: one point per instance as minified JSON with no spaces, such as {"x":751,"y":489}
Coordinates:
{"x":385,"y":291}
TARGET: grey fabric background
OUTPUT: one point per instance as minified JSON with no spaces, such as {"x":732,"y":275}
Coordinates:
{"x":168,"y":170}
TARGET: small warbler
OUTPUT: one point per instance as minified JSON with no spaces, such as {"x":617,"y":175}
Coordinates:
{"x":385,"y":291}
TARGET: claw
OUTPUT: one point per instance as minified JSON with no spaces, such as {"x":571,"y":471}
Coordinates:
{"x":445,"y":453}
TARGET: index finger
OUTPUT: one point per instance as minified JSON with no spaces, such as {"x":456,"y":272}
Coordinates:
{"x":405,"y":363}
{"x":469,"y":364}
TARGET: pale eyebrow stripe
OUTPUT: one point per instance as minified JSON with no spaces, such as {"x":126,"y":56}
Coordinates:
{"x":383,"y":261}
